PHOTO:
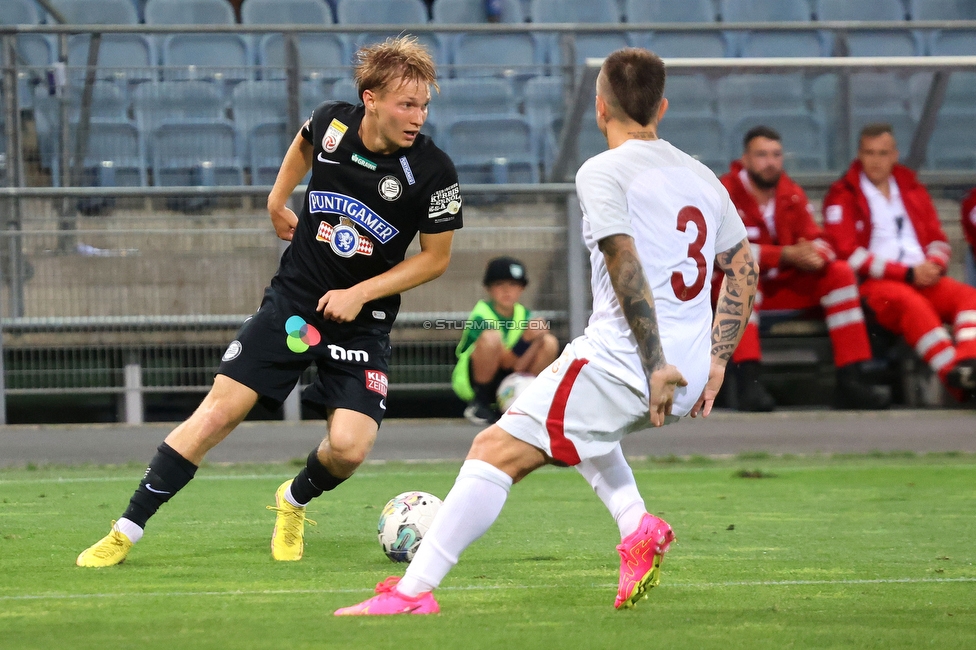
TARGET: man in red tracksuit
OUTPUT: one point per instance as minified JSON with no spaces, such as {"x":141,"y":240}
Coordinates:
{"x":969,"y":228}
{"x":882,"y":221}
{"x":799,"y":271}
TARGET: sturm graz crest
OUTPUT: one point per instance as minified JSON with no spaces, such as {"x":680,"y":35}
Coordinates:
{"x":345,"y":238}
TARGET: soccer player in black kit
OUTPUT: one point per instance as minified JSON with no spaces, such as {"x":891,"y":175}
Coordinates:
{"x":376,"y":182}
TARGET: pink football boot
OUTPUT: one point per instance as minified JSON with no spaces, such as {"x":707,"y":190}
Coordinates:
{"x":641,"y":553}
{"x":390,"y":601}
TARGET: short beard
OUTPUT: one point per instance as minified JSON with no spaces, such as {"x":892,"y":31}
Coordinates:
{"x":761,"y":182}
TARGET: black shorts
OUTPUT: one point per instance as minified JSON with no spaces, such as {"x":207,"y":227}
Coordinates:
{"x":275,"y":346}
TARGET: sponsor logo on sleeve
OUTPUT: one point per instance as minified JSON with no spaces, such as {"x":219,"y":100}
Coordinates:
{"x":390,"y":188}
{"x":379,"y":315}
{"x":355,"y":210}
{"x":407,"y":171}
{"x":233,"y":350}
{"x":972,"y":216}
{"x":445,"y":201}
{"x":377,"y":382}
{"x":834,"y":214}
{"x":364,"y":162}
{"x":333,"y":135}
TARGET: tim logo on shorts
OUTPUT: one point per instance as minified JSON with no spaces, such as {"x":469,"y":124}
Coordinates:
{"x":342,"y":354}
{"x":377,"y":382}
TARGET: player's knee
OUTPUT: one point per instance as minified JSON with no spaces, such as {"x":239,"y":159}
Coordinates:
{"x":551,"y":346}
{"x":490,"y":341}
{"x":841,"y":273}
{"x":347,"y":451}
{"x":500,"y":449}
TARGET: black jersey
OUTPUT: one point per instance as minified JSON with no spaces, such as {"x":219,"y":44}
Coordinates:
{"x":362,"y":209}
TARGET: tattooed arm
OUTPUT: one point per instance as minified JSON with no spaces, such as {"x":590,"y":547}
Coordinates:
{"x":731,"y":316}
{"x":637,"y":303}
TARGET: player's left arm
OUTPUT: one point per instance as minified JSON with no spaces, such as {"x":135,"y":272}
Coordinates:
{"x":635,"y":298}
{"x":343,"y":305}
{"x":732,"y":313}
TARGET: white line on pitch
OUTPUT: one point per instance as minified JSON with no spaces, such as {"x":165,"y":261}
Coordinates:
{"x":294,"y":592}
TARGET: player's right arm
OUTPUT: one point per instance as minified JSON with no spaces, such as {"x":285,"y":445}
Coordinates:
{"x":297,"y":162}
{"x":732,"y":313}
{"x":635,"y":298}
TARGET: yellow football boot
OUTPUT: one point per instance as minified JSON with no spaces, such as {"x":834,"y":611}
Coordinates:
{"x":108,"y":551}
{"x":288,"y":538}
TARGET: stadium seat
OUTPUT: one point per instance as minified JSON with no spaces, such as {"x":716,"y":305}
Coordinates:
{"x":545,"y":105}
{"x":961,"y":92}
{"x":450,"y":12}
{"x":256,"y":102}
{"x":686,"y":44}
{"x":37,"y":51}
{"x":782,"y":44}
{"x":496,"y":55}
{"x":953,"y":43}
{"x":884,"y":43}
{"x":195,"y":153}
{"x":943,"y":10}
{"x":114,"y":156}
{"x":473,"y":96}
{"x":321,"y":56}
{"x":217,"y":57}
{"x":20,"y":12}
{"x":804,"y":144}
{"x":278,"y":12}
{"x":345,"y":90}
{"x":700,"y":137}
{"x":388,"y":12}
{"x":739,"y":93}
{"x":586,"y":46}
{"x":953,"y":143}
{"x":669,"y":11}
{"x":572,"y":11}
{"x":491,"y":149}
{"x":267,"y":144}
{"x":189,"y":12}
{"x":127,"y":58}
{"x":690,"y":95}
{"x":879,"y":91}
{"x":764,"y":11}
{"x":97,"y":12}
{"x":873,"y":10}
{"x":311,"y":95}
{"x":157,"y":102}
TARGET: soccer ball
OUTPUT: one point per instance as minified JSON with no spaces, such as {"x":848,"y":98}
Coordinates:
{"x":511,"y":387}
{"x":404,"y":522}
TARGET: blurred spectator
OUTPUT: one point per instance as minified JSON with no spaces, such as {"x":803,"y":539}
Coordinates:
{"x":969,"y":228}
{"x":882,"y":220}
{"x":799,"y":271}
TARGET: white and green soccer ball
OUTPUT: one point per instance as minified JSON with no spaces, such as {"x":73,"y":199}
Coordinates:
{"x":510,"y":388}
{"x":405,"y":520}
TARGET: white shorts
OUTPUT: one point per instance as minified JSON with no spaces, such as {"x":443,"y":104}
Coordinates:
{"x":576,"y":410}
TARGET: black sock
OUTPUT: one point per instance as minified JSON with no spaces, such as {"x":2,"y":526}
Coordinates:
{"x":313,"y":480}
{"x":167,"y":474}
{"x":484,"y":393}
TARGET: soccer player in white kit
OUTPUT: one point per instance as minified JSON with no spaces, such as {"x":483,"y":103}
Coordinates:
{"x":654,"y":219}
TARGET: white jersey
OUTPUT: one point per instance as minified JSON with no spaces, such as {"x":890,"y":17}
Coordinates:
{"x":680,"y":217}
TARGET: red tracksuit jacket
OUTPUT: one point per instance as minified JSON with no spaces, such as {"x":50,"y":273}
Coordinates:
{"x":969,"y":219}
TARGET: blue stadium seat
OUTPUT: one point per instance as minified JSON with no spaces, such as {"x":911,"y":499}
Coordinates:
{"x":587,"y":46}
{"x":853,"y":10}
{"x":278,"y":12}
{"x":739,"y":93}
{"x":217,"y":57}
{"x":700,"y":137}
{"x":961,"y":92}
{"x":879,"y":91}
{"x":690,"y":95}
{"x":544,"y":108}
{"x":669,"y":11}
{"x":267,"y":144}
{"x":97,"y":12}
{"x":473,"y":96}
{"x":321,"y":56}
{"x":257,"y":102}
{"x":157,"y":102}
{"x":953,"y":143}
{"x":20,"y":12}
{"x":114,"y":155}
{"x":196,"y":153}
{"x":128,"y":58}
{"x":387,"y":12}
{"x":943,"y":10}
{"x":953,"y":43}
{"x":804,"y":144}
{"x":311,"y":95}
{"x":782,"y":44}
{"x":765,"y":11}
{"x":496,"y":55}
{"x":572,"y":11}
{"x":491,"y":149}
{"x":446,"y":12}
{"x":345,"y":90}
{"x":37,"y":51}
{"x":189,"y":12}
{"x":885,"y":43}
{"x":687,"y":44}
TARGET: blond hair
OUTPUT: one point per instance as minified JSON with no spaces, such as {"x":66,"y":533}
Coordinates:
{"x":401,"y":58}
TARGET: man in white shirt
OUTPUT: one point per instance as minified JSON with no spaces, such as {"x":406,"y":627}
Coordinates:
{"x":654,"y":220}
{"x":880,"y":218}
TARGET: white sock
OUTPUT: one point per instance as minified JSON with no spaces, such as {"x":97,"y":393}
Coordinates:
{"x":613,"y":481}
{"x":129,"y":528}
{"x":469,"y":510}
{"x":290,"y":498}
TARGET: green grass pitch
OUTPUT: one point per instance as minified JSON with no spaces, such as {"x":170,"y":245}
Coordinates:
{"x":817,"y":552}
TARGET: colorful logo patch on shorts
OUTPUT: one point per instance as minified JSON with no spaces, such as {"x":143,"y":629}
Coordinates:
{"x":301,"y":335}
{"x":377,"y":382}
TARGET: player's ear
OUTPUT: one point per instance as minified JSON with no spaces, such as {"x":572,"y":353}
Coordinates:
{"x":662,"y":109}
{"x":369,"y":99}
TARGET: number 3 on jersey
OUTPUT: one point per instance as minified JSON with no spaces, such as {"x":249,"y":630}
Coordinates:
{"x":682,"y":291}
